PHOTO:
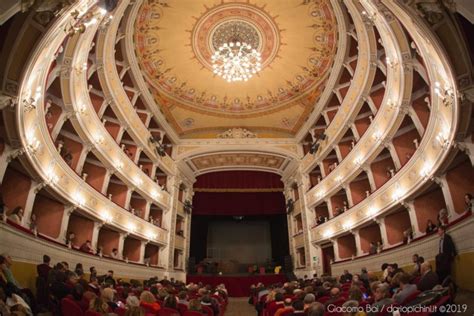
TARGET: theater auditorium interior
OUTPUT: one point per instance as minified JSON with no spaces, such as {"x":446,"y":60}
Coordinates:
{"x":236,"y":157}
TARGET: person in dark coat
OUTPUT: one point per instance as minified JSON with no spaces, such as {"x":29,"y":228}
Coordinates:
{"x":446,"y":254}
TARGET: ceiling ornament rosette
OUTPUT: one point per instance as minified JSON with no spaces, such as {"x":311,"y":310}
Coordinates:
{"x":297,"y":44}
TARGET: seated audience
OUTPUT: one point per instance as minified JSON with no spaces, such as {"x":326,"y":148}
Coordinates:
{"x":133,"y":306}
{"x":86,"y":247}
{"x":287,"y":306}
{"x":405,"y":289}
{"x":373,"y":248}
{"x":468,"y":202}
{"x":148,"y":302}
{"x":115,"y":254}
{"x":429,"y":279}
{"x":346,"y":277}
{"x":16,"y":215}
{"x":298,"y":308}
{"x":195,"y":305}
{"x":382,"y":297}
{"x":430,"y":227}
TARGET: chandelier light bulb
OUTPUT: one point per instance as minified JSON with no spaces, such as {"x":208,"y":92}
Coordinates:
{"x":236,"y":61}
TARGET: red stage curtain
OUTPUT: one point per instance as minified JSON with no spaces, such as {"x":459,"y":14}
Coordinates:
{"x":235,"y":180}
{"x":238,"y":203}
{"x":237,"y":286}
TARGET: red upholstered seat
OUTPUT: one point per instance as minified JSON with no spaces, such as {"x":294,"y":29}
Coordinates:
{"x":91,"y":313}
{"x":208,"y":310}
{"x":323,"y":299}
{"x":286,"y":312}
{"x":272,"y":307}
{"x":182,"y":308}
{"x":192,"y":313}
{"x":165,"y":311}
{"x":70,"y":308}
{"x":411,"y":297}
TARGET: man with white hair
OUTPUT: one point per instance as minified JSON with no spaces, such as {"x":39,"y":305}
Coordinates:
{"x":428,"y":279}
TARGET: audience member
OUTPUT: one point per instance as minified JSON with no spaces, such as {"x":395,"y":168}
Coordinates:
{"x":382,"y":297}
{"x":405,"y":289}
{"x":430,"y":227}
{"x":428,"y":279}
{"x":468,"y":202}
{"x":16,"y":215}
{"x":86,"y":247}
{"x":133,"y":306}
{"x":148,"y":302}
{"x":316,"y":309}
{"x":115,"y":254}
{"x":373,"y":248}
{"x":346,"y":277}
{"x":447,"y":252}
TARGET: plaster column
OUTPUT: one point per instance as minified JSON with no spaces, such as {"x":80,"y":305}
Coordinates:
{"x":357,"y":242}
{"x":121,"y":244}
{"x":142,"y":251}
{"x":394,"y":155}
{"x":95,"y":235}
{"x":383,"y":232}
{"x":65,"y":223}
{"x":443,"y":183}
{"x":335,"y":246}
{"x":35,"y":187}
{"x":413,"y":220}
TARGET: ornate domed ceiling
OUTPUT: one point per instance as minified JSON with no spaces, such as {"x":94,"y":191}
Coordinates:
{"x":174,"y":43}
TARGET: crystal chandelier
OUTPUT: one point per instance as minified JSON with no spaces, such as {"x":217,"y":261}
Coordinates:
{"x":236,"y":61}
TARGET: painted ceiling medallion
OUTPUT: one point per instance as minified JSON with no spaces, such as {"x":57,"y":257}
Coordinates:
{"x":175,"y":44}
{"x":227,"y":22}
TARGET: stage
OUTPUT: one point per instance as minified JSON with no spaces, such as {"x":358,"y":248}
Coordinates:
{"x":238,"y":285}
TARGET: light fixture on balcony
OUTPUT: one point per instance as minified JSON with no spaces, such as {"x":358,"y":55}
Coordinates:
{"x":236,"y":61}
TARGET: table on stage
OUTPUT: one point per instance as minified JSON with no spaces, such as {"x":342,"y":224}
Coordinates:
{"x":237,"y":286}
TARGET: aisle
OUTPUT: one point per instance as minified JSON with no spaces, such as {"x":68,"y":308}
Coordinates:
{"x":240,"y":307}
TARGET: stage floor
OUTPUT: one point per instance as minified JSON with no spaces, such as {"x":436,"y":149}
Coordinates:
{"x":237,"y":285}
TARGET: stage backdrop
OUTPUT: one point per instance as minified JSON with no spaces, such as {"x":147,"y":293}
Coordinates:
{"x":248,"y":242}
